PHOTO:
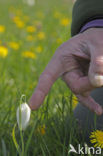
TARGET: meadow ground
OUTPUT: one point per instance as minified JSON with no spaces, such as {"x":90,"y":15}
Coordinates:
{"x":29,"y":36}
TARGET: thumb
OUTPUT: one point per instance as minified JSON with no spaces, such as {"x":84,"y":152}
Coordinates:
{"x":96,"y":68}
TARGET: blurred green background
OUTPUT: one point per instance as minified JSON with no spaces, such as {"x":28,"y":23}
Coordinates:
{"x":30,"y":33}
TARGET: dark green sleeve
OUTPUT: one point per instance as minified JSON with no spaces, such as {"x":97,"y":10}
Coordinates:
{"x":85,"y":11}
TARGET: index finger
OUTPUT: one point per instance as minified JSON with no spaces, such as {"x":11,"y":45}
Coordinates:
{"x":46,"y":80}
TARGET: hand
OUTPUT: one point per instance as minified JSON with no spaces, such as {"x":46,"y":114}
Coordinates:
{"x":79,"y":62}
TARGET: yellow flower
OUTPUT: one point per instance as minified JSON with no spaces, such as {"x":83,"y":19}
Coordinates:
{"x":41,"y":129}
{"x":3,"y":51}
{"x":59,"y":41}
{"x":20,"y":24}
{"x":16,"y":19}
{"x":14,"y":45}
{"x":30,"y":38}
{"x":29,"y":54}
{"x":74,"y":101}
{"x":97,"y":138}
{"x":31,"y":29}
{"x":41,"y":35}
{"x":39,"y":49}
{"x":2,"y":28}
{"x":65,"y":21}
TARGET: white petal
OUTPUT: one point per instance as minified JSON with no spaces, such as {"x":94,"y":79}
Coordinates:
{"x":31,"y":2}
{"x":25,"y":115}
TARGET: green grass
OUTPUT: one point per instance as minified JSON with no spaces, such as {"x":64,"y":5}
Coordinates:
{"x":19,"y":75}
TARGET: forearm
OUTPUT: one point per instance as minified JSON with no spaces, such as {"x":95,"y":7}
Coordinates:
{"x":85,"y":11}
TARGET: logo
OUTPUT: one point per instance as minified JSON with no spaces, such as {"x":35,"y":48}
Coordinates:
{"x":84,"y":150}
{"x":72,"y":149}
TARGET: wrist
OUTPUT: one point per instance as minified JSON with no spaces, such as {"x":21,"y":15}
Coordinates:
{"x":97,"y":23}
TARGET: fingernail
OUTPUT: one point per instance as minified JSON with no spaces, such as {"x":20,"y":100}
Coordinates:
{"x":99,"y":111}
{"x":97,"y":80}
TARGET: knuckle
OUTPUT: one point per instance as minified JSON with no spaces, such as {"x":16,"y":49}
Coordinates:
{"x":66,"y":58}
{"x":45,"y":83}
{"x":46,"y":77}
{"x":62,"y":58}
{"x":75,"y":90}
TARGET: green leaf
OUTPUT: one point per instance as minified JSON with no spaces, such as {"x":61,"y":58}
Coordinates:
{"x":14,"y":139}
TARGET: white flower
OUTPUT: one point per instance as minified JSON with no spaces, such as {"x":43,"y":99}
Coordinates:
{"x":29,"y":2}
{"x":24,"y":112}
